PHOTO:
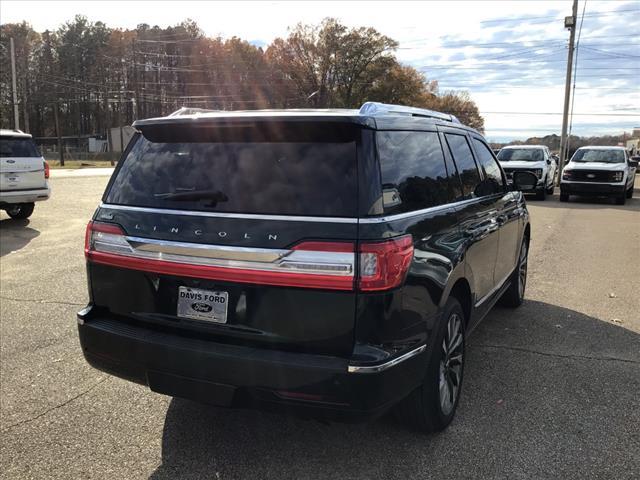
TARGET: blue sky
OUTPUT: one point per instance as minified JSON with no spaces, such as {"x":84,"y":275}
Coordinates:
{"x":510,"y":56}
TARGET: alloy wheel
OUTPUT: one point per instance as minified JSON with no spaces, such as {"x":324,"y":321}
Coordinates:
{"x":522,"y":270}
{"x":451,"y":364}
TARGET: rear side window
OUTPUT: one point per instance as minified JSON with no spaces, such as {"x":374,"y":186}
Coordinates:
{"x":467,"y":169}
{"x":413,"y":171}
{"x":275,"y":168}
{"x":17,"y":147}
{"x":492,"y":182}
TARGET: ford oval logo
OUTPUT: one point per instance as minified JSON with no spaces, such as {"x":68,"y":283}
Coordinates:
{"x":11,"y":161}
{"x":201,"y":307}
{"x":591,"y":175}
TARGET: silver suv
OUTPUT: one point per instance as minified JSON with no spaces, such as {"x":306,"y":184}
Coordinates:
{"x":23,"y":174}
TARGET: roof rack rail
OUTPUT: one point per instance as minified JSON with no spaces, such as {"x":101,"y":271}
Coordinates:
{"x":377,"y":108}
{"x":189,"y":111}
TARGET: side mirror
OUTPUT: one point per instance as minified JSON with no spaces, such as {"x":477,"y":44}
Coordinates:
{"x":633,"y":163}
{"x":524,"y":181}
{"x":548,"y":162}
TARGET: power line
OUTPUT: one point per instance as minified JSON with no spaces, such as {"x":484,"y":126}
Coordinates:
{"x":575,"y":69}
{"x":604,"y":13}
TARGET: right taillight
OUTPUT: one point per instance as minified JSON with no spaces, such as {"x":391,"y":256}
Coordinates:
{"x":384,"y":265}
{"x":46,"y":169}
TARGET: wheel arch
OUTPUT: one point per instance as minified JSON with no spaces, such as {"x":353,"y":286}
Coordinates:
{"x":461,"y":291}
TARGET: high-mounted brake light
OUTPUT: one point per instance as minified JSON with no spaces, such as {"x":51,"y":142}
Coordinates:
{"x":384,"y":265}
{"x":46,"y":169}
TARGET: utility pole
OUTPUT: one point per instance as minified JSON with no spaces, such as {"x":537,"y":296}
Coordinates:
{"x":570,"y":23}
{"x":16,"y":118}
{"x":58,"y":133}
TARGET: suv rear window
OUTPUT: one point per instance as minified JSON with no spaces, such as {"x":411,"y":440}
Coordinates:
{"x":271,"y":168}
{"x":17,"y":147}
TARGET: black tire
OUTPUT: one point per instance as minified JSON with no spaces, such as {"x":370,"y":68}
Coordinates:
{"x":630,"y":191}
{"x":621,"y":199}
{"x":541,"y":194}
{"x":424,"y":409}
{"x":564,"y":197}
{"x":514,"y":295}
{"x":20,"y":211}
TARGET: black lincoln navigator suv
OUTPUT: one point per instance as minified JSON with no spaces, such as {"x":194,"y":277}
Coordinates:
{"x":328,"y":262}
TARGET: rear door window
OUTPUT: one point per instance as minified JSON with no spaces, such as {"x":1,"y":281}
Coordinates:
{"x":493,"y":182}
{"x":413,"y":171}
{"x":269,"y":168}
{"x":463,"y":158}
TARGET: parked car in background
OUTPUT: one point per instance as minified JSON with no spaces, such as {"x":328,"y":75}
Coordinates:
{"x":599,"y":171}
{"x":531,"y":158}
{"x":324,"y":262}
{"x":23,"y":174}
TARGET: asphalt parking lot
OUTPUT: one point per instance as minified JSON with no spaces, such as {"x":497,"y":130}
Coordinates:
{"x":552,"y":390}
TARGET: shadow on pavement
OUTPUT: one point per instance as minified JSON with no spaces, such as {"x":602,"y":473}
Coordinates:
{"x":549,"y":393}
{"x":14,"y":235}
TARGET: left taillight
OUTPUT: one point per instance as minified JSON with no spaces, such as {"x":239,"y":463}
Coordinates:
{"x":46,"y":169}
{"x":104,"y":237}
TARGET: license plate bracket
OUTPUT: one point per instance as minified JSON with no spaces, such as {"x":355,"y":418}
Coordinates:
{"x":198,"y":304}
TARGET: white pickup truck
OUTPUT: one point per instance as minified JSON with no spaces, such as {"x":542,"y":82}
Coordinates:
{"x":536,"y":159}
{"x":599,"y":171}
{"x":23,"y":174}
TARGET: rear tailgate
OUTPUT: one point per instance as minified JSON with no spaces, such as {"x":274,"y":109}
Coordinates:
{"x":21,"y":166}
{"x":243,"y":234}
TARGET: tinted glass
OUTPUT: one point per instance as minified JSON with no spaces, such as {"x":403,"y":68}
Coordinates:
{"x":467,"y":169}
{"x":521,"y":155}
{"x":493,"y":182}
{"x":271,"y":169}
{"x":593,"y":155}
{"x":413,"y":171}
{"x":18,"y":147}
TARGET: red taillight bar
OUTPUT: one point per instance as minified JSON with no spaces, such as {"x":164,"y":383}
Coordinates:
{"x":383,"y":265}
{"x":46,"y":169}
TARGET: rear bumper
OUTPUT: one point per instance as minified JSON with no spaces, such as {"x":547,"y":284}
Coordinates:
{"x":246,"y":377}
{"x":577,"y":188}
{"x":24,"y":196}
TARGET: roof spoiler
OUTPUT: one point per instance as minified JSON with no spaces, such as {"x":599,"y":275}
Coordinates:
{"x":376,"y":108}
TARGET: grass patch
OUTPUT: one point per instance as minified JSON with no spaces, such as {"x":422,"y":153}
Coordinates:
{"x":80,"y":164}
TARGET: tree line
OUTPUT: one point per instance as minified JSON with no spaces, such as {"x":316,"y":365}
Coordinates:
{"x":93,"y":77}
{"x":574,"y":142}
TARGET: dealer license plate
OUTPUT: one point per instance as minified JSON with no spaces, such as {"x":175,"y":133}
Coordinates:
{"x":203,"y":304}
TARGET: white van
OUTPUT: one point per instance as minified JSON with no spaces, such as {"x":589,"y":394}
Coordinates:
{"x":23,"y":174}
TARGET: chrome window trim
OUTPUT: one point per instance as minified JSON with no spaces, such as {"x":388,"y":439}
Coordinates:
{"x":415,"y":213}
{"x":250,"y":216}
{"x":299,"y":218}
{"x":383,"y":366}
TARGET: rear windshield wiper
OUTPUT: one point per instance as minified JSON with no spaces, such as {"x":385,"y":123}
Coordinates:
{"x":214,"y":195}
